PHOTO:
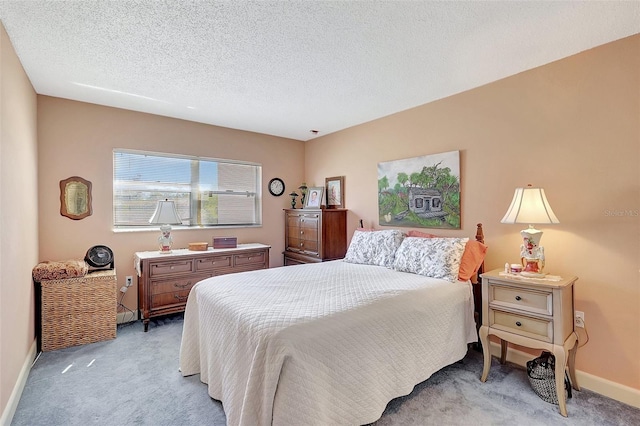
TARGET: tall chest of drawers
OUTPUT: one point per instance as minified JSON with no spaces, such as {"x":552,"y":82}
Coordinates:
{"x":314,"y":235}
{"x":165,"y":280}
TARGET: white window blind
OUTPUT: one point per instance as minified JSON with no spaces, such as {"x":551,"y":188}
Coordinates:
{"x":207,"y":191}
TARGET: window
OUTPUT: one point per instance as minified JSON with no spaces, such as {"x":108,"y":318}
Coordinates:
{"x":207,"y":191}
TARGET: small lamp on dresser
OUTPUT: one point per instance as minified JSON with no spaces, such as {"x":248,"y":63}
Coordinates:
{"x":165,"y":215}
{"x":293,"y":196}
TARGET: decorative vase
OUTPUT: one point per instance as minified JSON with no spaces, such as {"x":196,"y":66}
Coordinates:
{"x":303,"y":191}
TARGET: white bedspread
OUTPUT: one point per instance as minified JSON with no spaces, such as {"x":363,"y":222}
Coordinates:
{"x":319,"y":344}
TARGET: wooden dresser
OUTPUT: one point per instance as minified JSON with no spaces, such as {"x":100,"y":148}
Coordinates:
{"x":164,"y":280}
{"x":314,"y":235}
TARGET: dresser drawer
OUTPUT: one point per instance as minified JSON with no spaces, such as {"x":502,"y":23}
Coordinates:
{"x":309,"y":247}
{"x":293,"y":243}
{"x":310,"y":221}
{"x":539,"y":302}
{"x":536,"y":328}
{"x":170,"y":267}
{"x":167,"y":300}
{"x":309,"y":234}
{"x":249,"y":258}
{"x":208,"y":263}
{"x":177,"y":284}
{"x":302,"y":245}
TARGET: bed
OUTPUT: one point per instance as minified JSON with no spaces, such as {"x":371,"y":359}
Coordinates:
{"x":333,"y":342}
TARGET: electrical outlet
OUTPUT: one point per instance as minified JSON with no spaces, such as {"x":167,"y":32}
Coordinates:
{"x":129,"y":280}
{"x":579,"y":320}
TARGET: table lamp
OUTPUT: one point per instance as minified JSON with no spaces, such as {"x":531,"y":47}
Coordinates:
{"x":530,"y":205}
{"x":165,"y":215}
{"x":293,"y":196}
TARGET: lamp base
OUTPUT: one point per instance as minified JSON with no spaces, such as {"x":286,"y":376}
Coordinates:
{"x":532,"y":267}
{"x":164,"y":240}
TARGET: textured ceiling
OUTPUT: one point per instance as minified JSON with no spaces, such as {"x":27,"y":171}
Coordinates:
{"x":286,"y":67}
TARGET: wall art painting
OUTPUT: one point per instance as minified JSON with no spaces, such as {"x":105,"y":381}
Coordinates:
{"x":420,"y":192}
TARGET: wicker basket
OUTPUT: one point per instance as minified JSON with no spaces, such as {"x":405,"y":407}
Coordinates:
{"x":541,"y":373}
{"x":77,"y":311}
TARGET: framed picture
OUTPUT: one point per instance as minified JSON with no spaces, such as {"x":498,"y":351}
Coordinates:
{"x":314,"y":198}
{"x":75,"y":198}
{"x":335,"y":192}
{"x":420,"y":192}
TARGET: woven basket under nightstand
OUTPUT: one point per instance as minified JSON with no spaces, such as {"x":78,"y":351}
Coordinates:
{"x":77,"y":311}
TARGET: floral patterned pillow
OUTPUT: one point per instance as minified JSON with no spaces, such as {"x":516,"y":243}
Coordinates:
{"x":431,"y":257}
{"x":374,"y":247}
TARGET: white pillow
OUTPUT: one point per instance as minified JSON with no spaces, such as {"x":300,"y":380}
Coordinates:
{"x":431,"y":257}
{"x":374,"y":247}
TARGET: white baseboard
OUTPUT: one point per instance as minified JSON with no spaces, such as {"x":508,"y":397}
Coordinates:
{"x":124,"y":317}
{"x":14,"y":398}
{"x":622,"y":393}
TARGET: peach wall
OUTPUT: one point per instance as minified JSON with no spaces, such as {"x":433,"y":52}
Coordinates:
{"x":77,"y":138}
{"x":571,"y":127}
{"x":18,"y":220}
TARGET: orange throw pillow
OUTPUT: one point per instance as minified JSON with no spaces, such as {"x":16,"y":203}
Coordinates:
{"x":421,"y":234}
{"x":472,"y":258}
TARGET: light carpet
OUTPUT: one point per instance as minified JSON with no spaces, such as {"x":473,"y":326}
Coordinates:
{"x":134,"y":380}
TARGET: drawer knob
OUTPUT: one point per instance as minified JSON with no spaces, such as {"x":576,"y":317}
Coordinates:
{"x":181,"y":298}
{"x":518,"y":323}
{"x":182,"y":285}
{"x":518,"y":298}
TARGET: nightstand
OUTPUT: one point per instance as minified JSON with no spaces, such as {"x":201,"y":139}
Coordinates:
{"x":534,"y":313}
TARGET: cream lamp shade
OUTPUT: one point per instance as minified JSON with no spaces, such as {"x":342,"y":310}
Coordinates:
{"x":530,"y":205}
{"x":166,"y":215}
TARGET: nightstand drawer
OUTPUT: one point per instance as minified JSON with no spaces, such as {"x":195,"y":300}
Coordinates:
{"x":539,"y":302}
{"x":170,"y":267}
{"x":535,"y":328}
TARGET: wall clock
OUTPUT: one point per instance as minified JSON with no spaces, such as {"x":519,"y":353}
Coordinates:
{"x":276,"y":187}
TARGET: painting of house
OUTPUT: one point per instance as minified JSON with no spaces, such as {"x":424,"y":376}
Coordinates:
{"x":420,"y":192}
